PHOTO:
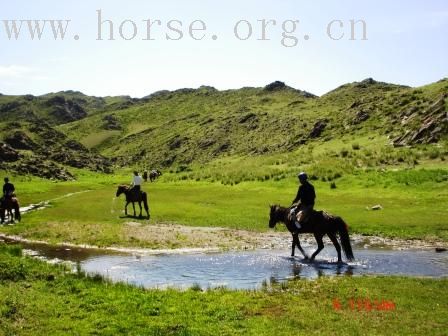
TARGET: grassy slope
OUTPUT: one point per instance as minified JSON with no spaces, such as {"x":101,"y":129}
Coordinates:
{"x":38,"y":299}
{"x":202,"y":125}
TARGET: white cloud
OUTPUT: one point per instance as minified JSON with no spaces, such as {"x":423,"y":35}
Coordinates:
{"x":14,"y":71}
{"x":17,"y":79}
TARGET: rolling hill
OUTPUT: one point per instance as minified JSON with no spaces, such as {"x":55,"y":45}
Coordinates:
{"x":384,"y":124}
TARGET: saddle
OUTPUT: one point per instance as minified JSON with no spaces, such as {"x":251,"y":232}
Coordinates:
{"x":292,"y":216}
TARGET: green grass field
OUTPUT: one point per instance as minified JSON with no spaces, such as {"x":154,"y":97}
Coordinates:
{"x":41,"y":299}
{"x":413,"y":201}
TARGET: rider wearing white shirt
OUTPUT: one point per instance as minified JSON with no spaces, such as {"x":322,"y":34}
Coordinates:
{"x":137,"y":181}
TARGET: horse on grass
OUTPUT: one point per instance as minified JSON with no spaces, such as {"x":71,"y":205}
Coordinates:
{"x":154,"y":174}
{"x":319,"y":224}
{"x":7,"y":206}
{"x":133,"y":197}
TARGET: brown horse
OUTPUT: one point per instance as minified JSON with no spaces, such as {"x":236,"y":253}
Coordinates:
{"x":132,"y":197}
{"x":154,"y":174}
{"x":7,"y":205}
{"x":320,"y":224}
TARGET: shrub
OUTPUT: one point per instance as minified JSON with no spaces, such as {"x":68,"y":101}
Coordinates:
{"x":344,"y":152}
{"x":433,"y":153}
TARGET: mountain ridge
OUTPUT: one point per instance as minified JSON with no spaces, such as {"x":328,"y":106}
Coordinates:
{"x":184,"y":126}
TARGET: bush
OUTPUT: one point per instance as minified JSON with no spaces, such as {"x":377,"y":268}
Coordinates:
{"x":433,"y":153}
{"x":356,"y":146}
{"x":344,"y":152}
{"x":333,"y":185}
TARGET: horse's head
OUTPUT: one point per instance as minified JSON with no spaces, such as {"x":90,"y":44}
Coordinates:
{"x":121,"y":190}
{"x":274,"y":215}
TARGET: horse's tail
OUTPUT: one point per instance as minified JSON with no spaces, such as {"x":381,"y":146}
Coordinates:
{"x":145,"y":202}
{"x":345,"y":239}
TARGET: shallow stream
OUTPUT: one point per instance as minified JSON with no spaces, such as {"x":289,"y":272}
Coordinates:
{"x":240,"y":270}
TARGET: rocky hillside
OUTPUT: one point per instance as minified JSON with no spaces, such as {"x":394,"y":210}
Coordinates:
{"x":200,"y":125}
{"x":47,"y":135}
{"x":29,"y":143}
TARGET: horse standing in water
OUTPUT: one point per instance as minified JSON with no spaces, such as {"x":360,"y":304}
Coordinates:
{"x":7,"y":205}
{"x":320,"y":224}
{"x":154,"y":174}
{"x":132,"y":197}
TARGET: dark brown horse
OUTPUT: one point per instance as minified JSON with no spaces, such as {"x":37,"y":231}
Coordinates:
{"x":7,"y":205}
{"x":320,"y":224}
{"x":133,"y":197}
{"x":154,"y":174}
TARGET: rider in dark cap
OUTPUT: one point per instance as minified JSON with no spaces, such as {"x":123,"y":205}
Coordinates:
{"x":306,"y":195}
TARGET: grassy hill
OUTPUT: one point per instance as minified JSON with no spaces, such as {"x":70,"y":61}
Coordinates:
{"x":266,"y":132}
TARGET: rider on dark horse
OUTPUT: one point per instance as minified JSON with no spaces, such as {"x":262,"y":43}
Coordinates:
{"x":300,"y":213}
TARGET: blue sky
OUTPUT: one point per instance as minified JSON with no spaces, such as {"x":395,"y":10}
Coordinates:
{"x":407,"y":43}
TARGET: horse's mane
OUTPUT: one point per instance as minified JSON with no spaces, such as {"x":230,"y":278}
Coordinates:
{"x":281,"y":208}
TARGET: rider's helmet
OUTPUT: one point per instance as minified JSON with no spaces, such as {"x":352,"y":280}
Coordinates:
{"x":6,"y":179}
{"x":135,"y":173}
{"x":302,"y":176}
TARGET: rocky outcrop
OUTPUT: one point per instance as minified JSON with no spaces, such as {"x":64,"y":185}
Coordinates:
{"x":39,"y":167}
{"x":46,"y":146}
{"x":19,"y":140}
{"x":8,"y":154}
{"x":318,"y":128}
{"x":111,"y":123}
{"x":360,"y":116}
{"x":65,"y":110}
{"x":176,"y":142}
{"x":249,"y":117}
{"x":431,"y":128}
{"x":206,"y":143}
{"x":277,"y":85}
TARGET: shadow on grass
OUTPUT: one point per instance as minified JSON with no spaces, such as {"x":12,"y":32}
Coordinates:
{"x":136,"y":217}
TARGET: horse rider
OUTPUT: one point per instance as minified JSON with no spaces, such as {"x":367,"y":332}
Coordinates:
{"x":306,"y":195}
{"x":137,"y":181}
{"x":8,"y":189}
{"x":145,"y":176}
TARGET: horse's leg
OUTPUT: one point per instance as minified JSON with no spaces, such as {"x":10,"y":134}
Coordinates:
{"x":17,"y":211}
{"x":293,"y":246}
{"x":126,"y":209}
{"x":133,"y":207}
{"x":145,"y":203}
{"x":11,"y":216}
{"x":140,"y":206}
{"x":320,"y":245}
{"x":300,"y":247}
{"x":335,"y":242}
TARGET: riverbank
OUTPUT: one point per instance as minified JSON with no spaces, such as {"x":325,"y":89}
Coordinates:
{"x":172,"y":239}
